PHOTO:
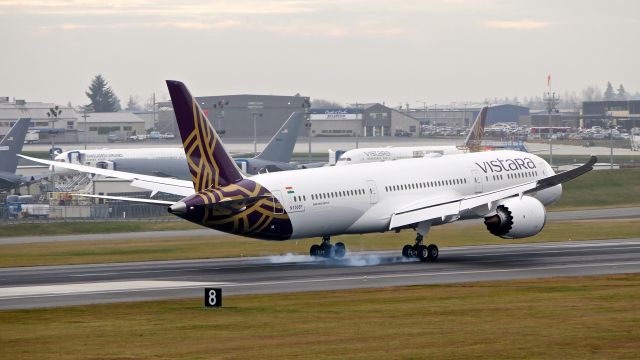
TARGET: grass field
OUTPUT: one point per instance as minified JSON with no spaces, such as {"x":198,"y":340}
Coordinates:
{"x":562,"y":318}
{"x":83,"y":252}
{"x":601,"y":189}
{"x":91,"y":227}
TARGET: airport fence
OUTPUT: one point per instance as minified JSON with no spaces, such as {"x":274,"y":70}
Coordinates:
{"x":44,"y":212}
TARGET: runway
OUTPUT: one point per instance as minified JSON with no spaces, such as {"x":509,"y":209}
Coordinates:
{"x":614,"y":213}
{"x":34,"y":287}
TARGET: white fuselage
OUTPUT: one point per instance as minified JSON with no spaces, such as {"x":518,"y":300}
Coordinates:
{"x":92,"y":157}
{"x":362,"y":198}
{"x":367,"y":155}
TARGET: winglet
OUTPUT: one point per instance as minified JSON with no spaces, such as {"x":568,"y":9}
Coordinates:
{"x":565,"y":176}
{"x":210,"y":165}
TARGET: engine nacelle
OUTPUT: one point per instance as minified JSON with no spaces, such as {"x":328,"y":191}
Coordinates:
{"x":107,"y":165}
{"x":517,"y":218}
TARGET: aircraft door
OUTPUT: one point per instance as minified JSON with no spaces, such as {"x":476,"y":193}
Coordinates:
{"x":278,"y":207}
{"x":373,"y":192}
{"x":477,"y":181}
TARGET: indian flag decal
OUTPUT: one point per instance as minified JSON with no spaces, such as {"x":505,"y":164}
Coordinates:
{"x":289,"y":189}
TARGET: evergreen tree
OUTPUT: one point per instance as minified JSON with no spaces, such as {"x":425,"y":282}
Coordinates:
{"x":132,"y":104}
{"x":609,"y":94}
{"x":102,"y":97}
{"x":622,"y":94}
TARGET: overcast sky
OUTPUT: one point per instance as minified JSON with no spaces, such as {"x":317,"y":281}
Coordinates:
{"x":439,"y":51}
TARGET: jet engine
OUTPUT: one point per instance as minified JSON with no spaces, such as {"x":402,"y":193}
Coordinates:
{"x":107,"y":165}
{"x":517,"y":218}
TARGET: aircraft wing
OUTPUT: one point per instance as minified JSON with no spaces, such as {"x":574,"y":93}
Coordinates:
{"x":153,"y":183}
{"x":454,"y":205}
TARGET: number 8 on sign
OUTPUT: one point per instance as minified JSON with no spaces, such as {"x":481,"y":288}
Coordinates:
{"x":213,"y":297}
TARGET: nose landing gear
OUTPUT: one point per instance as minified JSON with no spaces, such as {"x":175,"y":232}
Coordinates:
{"x":326,"y":250}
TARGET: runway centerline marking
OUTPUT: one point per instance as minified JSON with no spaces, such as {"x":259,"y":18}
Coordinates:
{"x":550,"y":251}
{"x":464,"y":272}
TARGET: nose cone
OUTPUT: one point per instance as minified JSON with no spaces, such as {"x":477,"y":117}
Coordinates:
{"x":178,"y":208}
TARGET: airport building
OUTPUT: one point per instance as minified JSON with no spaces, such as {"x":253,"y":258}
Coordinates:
{"x":114,"y":126}
{"x":365,"y":120}
{"x":236,"y":115}
{"x":464,"y":117}
{"x":560,"y":119}
{"x":64,"y":126}
{"x":625,"y":113}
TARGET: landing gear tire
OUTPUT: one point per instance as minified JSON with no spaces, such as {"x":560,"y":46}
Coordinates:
{"x":432,"y":251}
{"x":327,"y":250}
{"x":407,"y":251}
{"x":313,"y":251}
{"x":423,"y":253}
{"x":339,"y":250}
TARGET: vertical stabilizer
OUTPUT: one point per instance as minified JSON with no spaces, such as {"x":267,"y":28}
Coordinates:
{"x":474,"y":139}
{"x":280,"y":148}
{"x":210,"y":165}
{"x":11,"y":145}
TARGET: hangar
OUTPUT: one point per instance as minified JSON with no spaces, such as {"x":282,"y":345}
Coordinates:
{"x":234,"y":115}
{"x":365,"y":120}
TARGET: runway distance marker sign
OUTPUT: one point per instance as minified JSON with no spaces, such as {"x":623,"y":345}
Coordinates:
{"x":213,"y":297}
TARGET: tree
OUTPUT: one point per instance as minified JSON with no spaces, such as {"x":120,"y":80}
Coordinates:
{"x":132,"y":104}
{"x":325,"y":104}
{"x":608,"y":93}
{"x":622,"y":94}
{"x":102,"y":97}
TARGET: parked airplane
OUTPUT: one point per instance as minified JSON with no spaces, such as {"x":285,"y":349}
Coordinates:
{"x":10,"y":146}
{"x":508,"y":189}
{"x":365,"y":155}
{"x":171,"y":162}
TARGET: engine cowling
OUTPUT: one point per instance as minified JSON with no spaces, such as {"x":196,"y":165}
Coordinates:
{"x":517,"y":218}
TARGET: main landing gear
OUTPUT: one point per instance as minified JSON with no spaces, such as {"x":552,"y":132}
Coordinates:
{"x":326,"y":250}
{"x":418,"y":250}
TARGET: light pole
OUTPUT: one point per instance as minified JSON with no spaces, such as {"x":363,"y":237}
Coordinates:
{"x":220,"y":115}
{"x":254,"y":106}
{"x":610,"y":122}
{"x":85,"y":110}
{"x":254,"y":116}
{"x":551,"y":101}
{"x":52,"y":114}
{"x":424,"y":106}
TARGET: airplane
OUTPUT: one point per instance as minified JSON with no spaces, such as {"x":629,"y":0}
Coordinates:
{"x":509,"y":189}
{"x":471,"y":144}
{"x":10,"y":146}
{"x":171,"y":162}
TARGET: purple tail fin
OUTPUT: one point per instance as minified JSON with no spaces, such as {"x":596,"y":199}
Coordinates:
{"x":209,"y":163}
